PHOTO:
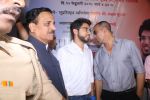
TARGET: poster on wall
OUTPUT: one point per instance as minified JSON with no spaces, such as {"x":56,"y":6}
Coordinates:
{"x":125,"y":16}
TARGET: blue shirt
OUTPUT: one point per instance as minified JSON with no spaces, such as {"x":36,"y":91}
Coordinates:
{"x":50,"y":65}
{"x":117,"y":69}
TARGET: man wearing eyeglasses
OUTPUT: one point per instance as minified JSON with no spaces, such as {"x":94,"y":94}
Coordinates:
{"x":76,"y":61}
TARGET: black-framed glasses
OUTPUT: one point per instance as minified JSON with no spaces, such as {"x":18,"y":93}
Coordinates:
{"x":145,"y":38}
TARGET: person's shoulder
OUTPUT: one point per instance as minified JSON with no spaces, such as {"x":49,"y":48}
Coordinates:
{"x":123,"y":40}
{"x":65,"y":49}
{"x":21,"y":42}
{"x":129,"y":43}
{"x":126,"y":41}
{"x":148,"y":58}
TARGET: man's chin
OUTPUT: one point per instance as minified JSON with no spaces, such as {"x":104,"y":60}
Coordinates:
{"x":6,"y":26}
{"x":100,"y":42}
{"x":86,"y":40}
{"x":5,"y":30}
{"x":146,"y":52}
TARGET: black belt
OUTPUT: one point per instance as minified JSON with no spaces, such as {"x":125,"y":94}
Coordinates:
{"x":120,"y":92}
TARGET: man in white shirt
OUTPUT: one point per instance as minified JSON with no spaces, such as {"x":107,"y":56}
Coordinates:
{"x":76,"y":61}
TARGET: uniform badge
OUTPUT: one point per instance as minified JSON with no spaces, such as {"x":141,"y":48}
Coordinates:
{"x":7,"y":83}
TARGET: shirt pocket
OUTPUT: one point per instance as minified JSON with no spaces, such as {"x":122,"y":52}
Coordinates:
{"x":12,"y":94}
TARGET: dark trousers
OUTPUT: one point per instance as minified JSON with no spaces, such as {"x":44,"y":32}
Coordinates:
{"x":129,"y":94}
{"x":147,"y":87}
{"x":82,"y":97}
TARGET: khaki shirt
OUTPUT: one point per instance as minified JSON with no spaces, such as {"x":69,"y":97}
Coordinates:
{"x":21,"y":75}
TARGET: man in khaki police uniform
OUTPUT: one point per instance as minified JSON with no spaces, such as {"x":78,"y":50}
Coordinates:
{"x":21,"y":76}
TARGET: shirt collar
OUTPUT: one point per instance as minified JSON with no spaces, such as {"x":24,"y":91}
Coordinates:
{"x":4,"y":47}
{"x":77,"y":47}
{"x":37,"y":43}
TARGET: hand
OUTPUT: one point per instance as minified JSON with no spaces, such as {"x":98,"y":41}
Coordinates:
{"x":139,"y":94}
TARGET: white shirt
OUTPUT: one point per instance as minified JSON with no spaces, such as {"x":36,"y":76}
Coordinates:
{"x":53,"y":51}
{"x":77,"y":68}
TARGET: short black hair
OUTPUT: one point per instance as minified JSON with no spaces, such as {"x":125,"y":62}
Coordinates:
{"x":31,"y":15}
{"x":103,"y":24}
{"x":77,"y":24}
{"x":145,"y":26}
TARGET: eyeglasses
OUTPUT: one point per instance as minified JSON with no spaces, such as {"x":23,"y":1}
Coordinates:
{"x":87,"y":29}
{"x":145,"y":38}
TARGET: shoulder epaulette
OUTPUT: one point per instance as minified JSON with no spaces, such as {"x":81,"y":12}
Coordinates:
{"x":22,"y":42}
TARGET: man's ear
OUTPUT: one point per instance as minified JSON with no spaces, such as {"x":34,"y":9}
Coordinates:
{"x":75,"y":31}
{"x":32,"y":27}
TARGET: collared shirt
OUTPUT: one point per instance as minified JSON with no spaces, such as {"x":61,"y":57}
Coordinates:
{"x":50,"y":64}
{"x":21,"y":75}
{"x":77,"y":68}
{"x":53,"y":51}
{"x":147,"y":67}
{"x":116,"y":70}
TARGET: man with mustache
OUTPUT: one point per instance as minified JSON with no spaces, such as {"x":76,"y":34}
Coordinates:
{"x":76,"y":61}
{"x":41,"y":27}
{"x":21,"y":76}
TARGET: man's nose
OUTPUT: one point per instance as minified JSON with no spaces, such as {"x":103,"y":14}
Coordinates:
{"x":19,"y":3}
{"x":53,"y":27}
